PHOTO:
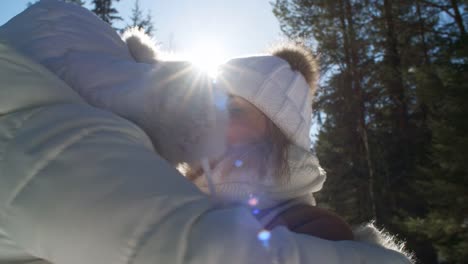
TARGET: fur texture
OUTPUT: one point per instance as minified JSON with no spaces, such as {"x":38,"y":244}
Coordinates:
{"x":368,"y":233}
{"x":301,"y":59}
{"x":141,"y":46}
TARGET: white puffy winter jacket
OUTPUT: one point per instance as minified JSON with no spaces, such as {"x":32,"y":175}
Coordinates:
{"x":82,"y":185}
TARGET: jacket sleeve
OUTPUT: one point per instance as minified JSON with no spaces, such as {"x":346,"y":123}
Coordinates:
{"x":81,"y":185}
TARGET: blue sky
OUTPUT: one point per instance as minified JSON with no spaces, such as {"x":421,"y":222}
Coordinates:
{"x":236,"y":27}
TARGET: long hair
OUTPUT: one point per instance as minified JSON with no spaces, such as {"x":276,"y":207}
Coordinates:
{"x":267,"y":155}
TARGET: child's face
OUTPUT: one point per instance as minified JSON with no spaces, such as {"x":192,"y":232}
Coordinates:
{"x":247,"y":124}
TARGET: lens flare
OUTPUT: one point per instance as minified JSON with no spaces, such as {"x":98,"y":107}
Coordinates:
{"x":264,"y":235}
{"x":220,"y":99}
{"x":253,"y":201}
{"x":238,"y":163}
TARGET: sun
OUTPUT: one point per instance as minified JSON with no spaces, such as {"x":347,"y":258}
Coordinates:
{"x":207,"y":57}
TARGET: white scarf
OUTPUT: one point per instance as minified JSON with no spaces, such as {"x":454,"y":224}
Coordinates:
{"x":244,"y":185}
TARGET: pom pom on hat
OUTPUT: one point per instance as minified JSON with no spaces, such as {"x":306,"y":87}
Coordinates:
{"x":300,"y":59}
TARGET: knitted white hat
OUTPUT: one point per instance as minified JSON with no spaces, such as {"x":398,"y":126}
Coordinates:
{"x":281,"y":85}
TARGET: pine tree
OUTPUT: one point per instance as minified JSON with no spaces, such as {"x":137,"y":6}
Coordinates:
{"x":104,"y":10}
{"x":78,"y":2}
{"x":443,"y":182}
{"x":137,"y":20}
{"x":338,"y":27}
{"x":391,"y":108}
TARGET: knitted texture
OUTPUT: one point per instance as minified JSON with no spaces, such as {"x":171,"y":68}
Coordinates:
{"x":282,"y":94}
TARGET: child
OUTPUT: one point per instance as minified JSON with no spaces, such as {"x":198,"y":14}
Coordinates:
{"x":268,"y":165}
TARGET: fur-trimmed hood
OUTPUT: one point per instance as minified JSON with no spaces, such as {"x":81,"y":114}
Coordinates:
{"x":370,"y":234}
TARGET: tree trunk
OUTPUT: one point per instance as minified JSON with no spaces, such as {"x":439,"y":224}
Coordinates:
{"x":426,"y":61}
{"x":353,"y":64}
{"x":458,"y":17}
{"x":422,"y":32}
{"x":395,"y":82}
